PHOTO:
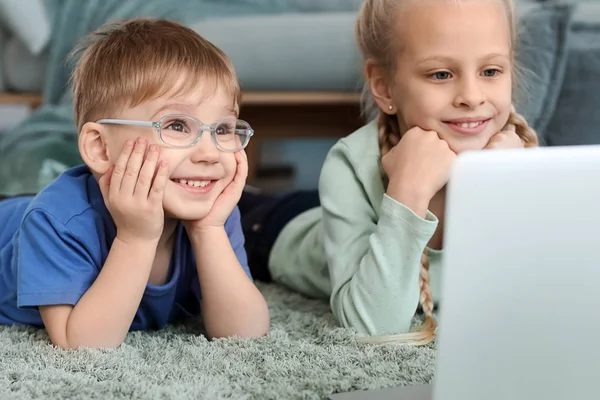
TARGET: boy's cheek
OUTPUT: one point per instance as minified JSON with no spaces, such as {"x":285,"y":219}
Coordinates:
{"x":113,"y":152}
{"x":230,"y":165}
{"x":227,"y":180}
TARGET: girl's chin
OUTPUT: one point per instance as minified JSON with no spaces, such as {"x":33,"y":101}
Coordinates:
{"x":460,"y":145}
{"x":462,"y":149}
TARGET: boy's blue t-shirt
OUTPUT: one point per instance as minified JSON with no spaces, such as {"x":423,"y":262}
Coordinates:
{"x":53,"y":246}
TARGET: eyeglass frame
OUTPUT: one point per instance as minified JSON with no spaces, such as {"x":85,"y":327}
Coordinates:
{"x":157,"y":125}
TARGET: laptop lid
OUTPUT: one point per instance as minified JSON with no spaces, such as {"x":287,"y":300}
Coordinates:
{"x":520,"y":310}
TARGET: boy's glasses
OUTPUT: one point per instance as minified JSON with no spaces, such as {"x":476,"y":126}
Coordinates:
{"x":180,"y":131}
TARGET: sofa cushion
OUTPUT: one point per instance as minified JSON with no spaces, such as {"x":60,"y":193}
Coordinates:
{"x":317,"y":51}
{"x":3,"y":40}
{"x":292,"y":51}
{"x":23,"y":70}
{"x":542,"y":53}
{"x":575,"y":119}
{"x":28,"y":21}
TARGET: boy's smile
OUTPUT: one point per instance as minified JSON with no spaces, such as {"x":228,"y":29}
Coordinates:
{"x":196,"y":184}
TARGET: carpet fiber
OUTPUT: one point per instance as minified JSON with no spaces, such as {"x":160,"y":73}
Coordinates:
{"x":305,"y":356}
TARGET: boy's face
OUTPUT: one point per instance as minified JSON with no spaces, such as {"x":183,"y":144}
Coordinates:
{"x":186,"y":197}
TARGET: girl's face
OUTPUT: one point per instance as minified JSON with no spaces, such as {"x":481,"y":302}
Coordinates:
{"x":454,"y":71}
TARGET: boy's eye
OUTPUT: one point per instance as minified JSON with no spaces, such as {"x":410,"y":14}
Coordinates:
{"x":225,"y":128}
{"x":225,"y":131}
{"x":441,"y":75}
{"x":176,"y":125}
{"x":490,"y":73}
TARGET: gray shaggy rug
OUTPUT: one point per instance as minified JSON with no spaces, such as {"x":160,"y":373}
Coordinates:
{"x":305,"y":356}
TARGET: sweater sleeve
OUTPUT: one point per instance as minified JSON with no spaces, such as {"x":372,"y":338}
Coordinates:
{"x":373,"y":260}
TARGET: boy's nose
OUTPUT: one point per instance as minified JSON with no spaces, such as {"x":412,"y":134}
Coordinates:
{"x":205,"y":150}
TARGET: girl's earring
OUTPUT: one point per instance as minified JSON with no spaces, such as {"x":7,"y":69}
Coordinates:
{"x":390,"y":108}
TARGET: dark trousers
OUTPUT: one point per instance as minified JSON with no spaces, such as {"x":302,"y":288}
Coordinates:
{"x":263,"y":218}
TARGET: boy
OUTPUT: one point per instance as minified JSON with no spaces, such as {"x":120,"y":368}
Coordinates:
{"x":147,"y":231}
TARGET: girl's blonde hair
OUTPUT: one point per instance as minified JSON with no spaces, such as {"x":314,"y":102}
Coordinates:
{"x":374,"y":31}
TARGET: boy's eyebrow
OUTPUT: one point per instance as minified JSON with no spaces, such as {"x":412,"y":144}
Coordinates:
{"x":187,"y":109}
{"x":184,"y":108}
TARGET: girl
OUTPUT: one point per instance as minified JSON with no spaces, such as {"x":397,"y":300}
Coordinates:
{"x":440,"y":77}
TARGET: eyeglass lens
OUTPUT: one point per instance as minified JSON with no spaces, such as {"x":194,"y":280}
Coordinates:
{"x":230,"y":134}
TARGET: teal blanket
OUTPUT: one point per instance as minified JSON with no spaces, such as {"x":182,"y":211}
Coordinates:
{"x":36,"y":151}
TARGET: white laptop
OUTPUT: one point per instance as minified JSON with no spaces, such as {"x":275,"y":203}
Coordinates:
{"x":520,"y":315}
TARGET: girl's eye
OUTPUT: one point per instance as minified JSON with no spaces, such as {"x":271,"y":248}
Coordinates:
{"x":490,"y":73}
{"x":441,"y":75}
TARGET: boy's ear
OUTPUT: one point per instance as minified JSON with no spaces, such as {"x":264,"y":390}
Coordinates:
{"x":380,"y":87}
{"x":93,"y":147}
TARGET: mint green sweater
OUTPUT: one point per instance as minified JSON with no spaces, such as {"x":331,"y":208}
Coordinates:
{"x":361,"y":248}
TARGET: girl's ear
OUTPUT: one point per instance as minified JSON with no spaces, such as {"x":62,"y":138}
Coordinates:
{"x":380,"y":87}
{"x":93,"y":148}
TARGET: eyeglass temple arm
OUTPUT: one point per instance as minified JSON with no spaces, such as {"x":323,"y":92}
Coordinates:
{"x":126,"y":122}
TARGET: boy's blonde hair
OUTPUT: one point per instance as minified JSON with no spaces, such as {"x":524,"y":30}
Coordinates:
{"x":374,"y":33}
{"x":125,"y":63}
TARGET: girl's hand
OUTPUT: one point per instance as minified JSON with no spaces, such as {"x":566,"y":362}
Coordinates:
{"x":226,"y":201}
{"x":133,"y":194}
{"x":417,"y":168}
{"x":507,"y":139}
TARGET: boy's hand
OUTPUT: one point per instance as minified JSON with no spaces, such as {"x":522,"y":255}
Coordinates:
{"x":507,"y":139}
{"x":226,"y":201}
{"x":133,"y":194}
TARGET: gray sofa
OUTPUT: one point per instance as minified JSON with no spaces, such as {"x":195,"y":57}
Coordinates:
{"x":302,"y":45}
{"x":575,"y":115}
{"x":559,"y":48}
